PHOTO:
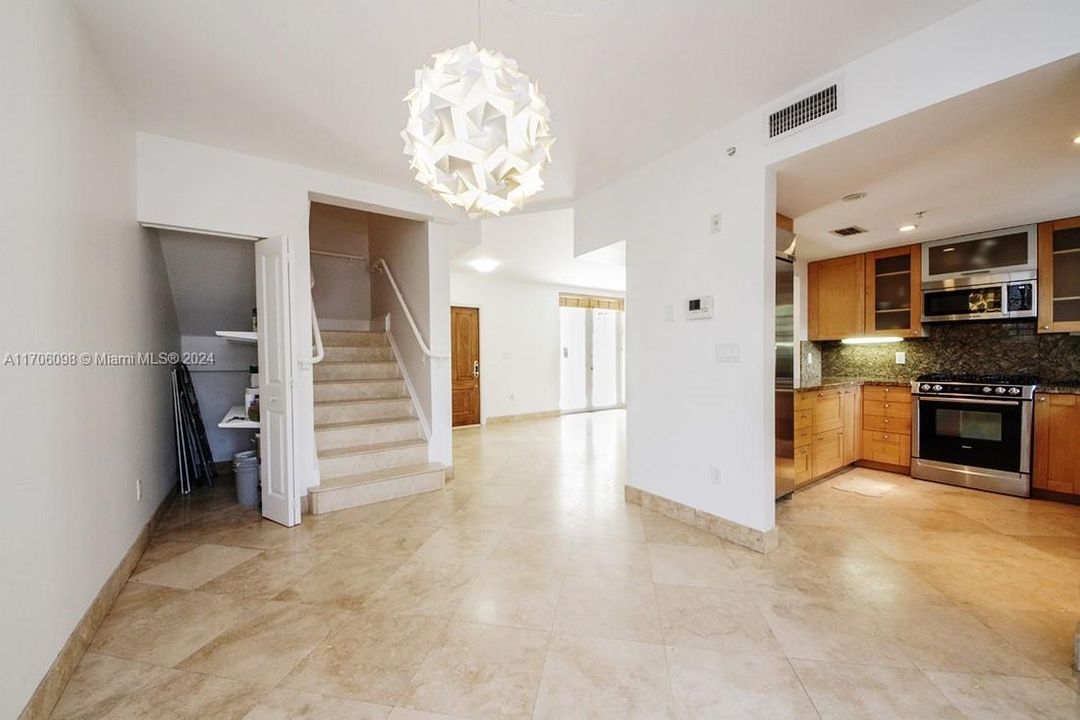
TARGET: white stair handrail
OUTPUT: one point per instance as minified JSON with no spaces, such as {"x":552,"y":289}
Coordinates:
{"x":381,"y":266}
{"x":320,"y":351}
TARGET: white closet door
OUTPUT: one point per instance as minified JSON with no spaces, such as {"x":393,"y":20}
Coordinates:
{"x":273,"y":278}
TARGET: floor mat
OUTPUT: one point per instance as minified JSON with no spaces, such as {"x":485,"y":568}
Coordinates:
{"x":864,"y":486}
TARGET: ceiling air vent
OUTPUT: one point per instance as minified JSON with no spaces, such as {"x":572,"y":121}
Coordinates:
{"x":803,"y":112}
{"x":849,"y":230}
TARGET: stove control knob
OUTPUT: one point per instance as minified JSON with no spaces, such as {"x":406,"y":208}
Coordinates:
{"x":1014,"y":391}
{"x":924,"y":387}
{"x":987,"y":389}
{"x":1000,"y":390}
{"x":937,"y":388}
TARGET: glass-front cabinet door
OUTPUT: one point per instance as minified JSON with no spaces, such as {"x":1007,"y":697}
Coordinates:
{"x":894,"y":292}
{"x":1059,"y":276}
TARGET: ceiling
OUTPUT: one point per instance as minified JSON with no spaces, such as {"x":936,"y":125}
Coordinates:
{"x":539,"y":247}
{"x":320,"y":84}
{"x":996,"y":157}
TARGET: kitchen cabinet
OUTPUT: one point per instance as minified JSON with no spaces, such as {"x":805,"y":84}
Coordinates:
{"x":1056,"y":456}
{"x":1059,"y":276}
{"x":894,"y":292}
{"x":836,"y":298}
{"x":826,"y":431}
{"x":886,"y":426}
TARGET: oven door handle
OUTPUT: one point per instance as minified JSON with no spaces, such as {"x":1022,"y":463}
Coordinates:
{"x":967,"y":401}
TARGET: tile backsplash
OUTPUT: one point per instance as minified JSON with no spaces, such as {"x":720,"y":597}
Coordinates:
{"x":964,"y":347}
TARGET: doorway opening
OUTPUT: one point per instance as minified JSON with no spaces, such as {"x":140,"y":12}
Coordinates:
{"x":592,"y":374}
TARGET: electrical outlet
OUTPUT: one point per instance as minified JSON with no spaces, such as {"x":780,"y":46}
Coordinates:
{"x":716,"y":477}
{"x":901,"y":357}
{"x":138,"y":489}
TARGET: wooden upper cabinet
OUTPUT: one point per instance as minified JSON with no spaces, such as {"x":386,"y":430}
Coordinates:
{"x":894,"y":292}
{"x":1056,"y":455}
{"x":836,"y":298}
{"x":1059,"y":276}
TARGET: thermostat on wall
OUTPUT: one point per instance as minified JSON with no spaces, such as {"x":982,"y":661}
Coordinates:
{"x":699,"y":308}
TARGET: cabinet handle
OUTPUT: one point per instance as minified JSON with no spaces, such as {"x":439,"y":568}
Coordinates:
{"x":886,"y":404}
{"x":821,"y":394}
{"x":1045,"y":327}
{"x":884,"y":437}
{"x":1040,"y":399}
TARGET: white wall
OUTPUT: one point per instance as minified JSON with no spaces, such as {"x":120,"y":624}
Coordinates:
{"x":78,"y":274}
{"x":184,"y":184}
{"x":342,"y":286}
{"x":686,"y":411}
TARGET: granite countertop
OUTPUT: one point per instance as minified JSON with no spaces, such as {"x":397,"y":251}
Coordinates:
{"x":831,"y":382}
{"x":1059,"y":389}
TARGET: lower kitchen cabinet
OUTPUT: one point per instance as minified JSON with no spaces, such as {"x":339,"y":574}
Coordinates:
{"x":886,"y":448}
{"x":1056,"y":456}
{"x":826,"y":431}
{"x":886,"y":426}
{"x":828,"y":452}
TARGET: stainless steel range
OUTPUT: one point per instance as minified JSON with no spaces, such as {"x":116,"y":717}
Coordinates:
{"x":973,"y":431}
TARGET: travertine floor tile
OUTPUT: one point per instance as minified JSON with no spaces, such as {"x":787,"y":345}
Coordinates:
{"x":997,"y":697}
{"x":480,"y":671}
{"x":264,"y":576}
{"x":162,"y":625}
{"x":701,"y":567}
{"x":458,"y":546}
{"x":293,"y":705}
{"x":370,"y":657}
{"x":841,"y":691}
{"x":189,"y":696}
{"x":514,"y":596}
{"x":725,"y":620}
{"x":618,"y":608}
{"x":195,"y":567}
{"x":100,"y":683}
{"x":590,"y":557}
{"x":423,"y":589}
{"x":340,"y":581}
{"x":708,"y":685}
{"x":540,"y":551}
{"x":597,"y":678}
{"x":266,"y":645}
{"x":160,"y":551}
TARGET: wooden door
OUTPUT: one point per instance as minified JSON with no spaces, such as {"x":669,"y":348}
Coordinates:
{"x":836,"y":298}
{"x":465,"y":364}
{"x":1056,"y":455}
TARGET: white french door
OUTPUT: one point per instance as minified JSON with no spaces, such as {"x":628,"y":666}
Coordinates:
{"x":593,"y":357}
{"x":273,"y":283}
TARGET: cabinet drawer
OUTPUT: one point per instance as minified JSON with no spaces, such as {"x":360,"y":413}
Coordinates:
{"x":887,"y":393}
{"x":891,"y":408}
{"x":828,"y":413}
{"x":887,"y":447}
{"x":804,"y":419}
{"x":804,"y":401}
{"x":803,"y":436}
{"x":803,"y":471}
{"x":886,"y":424}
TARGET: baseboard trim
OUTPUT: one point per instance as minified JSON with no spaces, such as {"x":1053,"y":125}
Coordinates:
{"x":500,"y":419}
{"x":762,"y":542}
{"x":51,"y":687}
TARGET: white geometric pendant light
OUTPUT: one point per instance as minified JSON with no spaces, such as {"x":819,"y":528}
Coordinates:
{"x":479,"y":132}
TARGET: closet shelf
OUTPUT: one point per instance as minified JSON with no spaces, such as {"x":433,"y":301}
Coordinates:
{"x":239,"y":336}
{"x":236,"y":419}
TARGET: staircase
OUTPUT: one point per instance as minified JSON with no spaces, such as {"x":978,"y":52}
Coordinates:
{"x":370,"y":444}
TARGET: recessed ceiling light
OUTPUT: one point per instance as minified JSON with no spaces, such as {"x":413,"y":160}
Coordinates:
{"x":907,"y":228}
{"x":484,"y":264}
{"x":1076,"y":140}
{"x":852,"y":197}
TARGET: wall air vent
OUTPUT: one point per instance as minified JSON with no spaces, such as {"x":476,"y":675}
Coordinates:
{"x":804,"y":112}
{"x":849,"y":230}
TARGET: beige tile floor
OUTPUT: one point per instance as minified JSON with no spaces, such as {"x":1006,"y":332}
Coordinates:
{"x":528,"y":588}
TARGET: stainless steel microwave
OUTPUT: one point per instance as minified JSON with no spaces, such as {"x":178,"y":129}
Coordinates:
{"x":991,"y":301}
{"x":982,"y":258}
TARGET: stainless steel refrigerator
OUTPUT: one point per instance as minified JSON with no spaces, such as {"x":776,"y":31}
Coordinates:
{"x":785,"y":366}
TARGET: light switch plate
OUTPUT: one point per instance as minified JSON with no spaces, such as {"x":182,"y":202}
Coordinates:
{"x":901,"y":357}
{"x":728,"y":353}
